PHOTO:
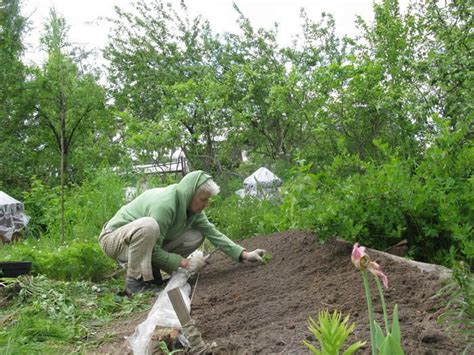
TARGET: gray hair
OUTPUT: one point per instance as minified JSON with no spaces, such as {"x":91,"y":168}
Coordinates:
{"x":210,"y":187}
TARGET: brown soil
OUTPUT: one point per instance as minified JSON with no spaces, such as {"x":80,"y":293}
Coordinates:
{"x":264,"y":309}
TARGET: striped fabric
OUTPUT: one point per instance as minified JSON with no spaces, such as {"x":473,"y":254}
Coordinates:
{"x":132,"y":245}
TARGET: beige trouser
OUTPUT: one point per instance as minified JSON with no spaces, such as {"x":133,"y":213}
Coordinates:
{"x":132,"y":245}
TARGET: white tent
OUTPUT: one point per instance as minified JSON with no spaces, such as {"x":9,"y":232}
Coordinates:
{"x":12,"y":218}
{"x":262,"y":184}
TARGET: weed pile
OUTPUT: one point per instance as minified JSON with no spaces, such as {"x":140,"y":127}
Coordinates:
{"x":42,"y":315}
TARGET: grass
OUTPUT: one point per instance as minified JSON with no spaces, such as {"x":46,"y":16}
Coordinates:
{"x":40,"y":315}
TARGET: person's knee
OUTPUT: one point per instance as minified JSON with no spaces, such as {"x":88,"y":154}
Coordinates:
{"x":191,"y":241}
{"x":185,"y":244}
{"x":194,"y":237}
{"x":148,"y":227}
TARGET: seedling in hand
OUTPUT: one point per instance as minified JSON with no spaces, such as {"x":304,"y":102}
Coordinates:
{"x":267,"y":257}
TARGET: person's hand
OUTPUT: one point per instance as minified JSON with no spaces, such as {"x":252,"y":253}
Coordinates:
{"x":253,"y":256}
{"x":196,"y":263}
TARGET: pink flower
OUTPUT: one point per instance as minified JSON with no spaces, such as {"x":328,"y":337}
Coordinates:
{"x":361,"y":261}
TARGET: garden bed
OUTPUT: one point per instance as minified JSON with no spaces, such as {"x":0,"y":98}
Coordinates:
{"x":265,"y":308}
{"x":252,"y":309}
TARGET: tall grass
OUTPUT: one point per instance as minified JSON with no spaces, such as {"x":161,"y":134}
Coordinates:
{"x":87,"y":208}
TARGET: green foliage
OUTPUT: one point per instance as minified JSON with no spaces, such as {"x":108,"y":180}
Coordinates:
{"x":57,"y":109}
{"x":186,"y":100}
{"x":345,"y":202}
{"x":229,"y":183}
{"x":42,"y":207}
{"x":90,"y":205}
{"x":332,"y":332}
{"x":69,"y":104}
{"x":429,"y":202}
{"x":243,"y":218}
{"x":52,"y":316}
{"x":87,"y":208}
{"x":380,"y":126}
{"x":381,"y":123}
{"x":388,"y":344}
{"x":164,"y":349}
{"x":459,"y":309}
{"x":75,"y":260}
{"x":266,"y":257}
{"x":14,"y":101}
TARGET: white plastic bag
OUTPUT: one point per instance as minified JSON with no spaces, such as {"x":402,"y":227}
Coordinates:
{"x":12,"y":218}
{"x":162,"y":314}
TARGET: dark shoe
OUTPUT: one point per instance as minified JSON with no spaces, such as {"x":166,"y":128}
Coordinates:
{"x":139,"y":286}
{"x":157,"y":279}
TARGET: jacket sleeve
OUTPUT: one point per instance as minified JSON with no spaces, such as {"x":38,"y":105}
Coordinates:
{"x":218,"y":239}
{"x":160,"y":258}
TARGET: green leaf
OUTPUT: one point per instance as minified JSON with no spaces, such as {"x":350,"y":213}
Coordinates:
{"x":391,"y":346}
{"x":379,"y":336}
{"x":332,"y":332}
{"x":354,"y":347}
{"x":267,"y":257}
{"x":395,"y":324}
{"x":312,"y":348}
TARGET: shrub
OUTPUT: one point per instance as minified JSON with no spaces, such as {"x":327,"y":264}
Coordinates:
{"x":89,"y":206}
{"x":431,"y":204}
{"x":75,"y":260}
{"x":243,"y":218}
{"x":459,"y":309}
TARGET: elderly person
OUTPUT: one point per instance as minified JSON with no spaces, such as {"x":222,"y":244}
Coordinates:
{"x":160,"y":228}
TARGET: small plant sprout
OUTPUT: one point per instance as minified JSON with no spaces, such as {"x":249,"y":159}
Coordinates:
{"x":332,"y":332}
{"x":164,"y":349}
{"x":267,"y":257}
{"x":390,"y":342}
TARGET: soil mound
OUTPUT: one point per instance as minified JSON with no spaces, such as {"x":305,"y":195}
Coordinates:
{"x":264,"y":309}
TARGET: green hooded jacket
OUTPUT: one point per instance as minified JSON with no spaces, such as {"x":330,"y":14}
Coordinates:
{"x":168,"y":206}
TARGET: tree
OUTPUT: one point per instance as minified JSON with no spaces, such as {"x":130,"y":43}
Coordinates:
{"x":263,"y":94}
{"x":377,"y":102}
{"x":322,"y":65}
{"x":446,"y":62}
{"x":165,"y":74}
{"x":12,"y":95}
{"x":68,"y":110}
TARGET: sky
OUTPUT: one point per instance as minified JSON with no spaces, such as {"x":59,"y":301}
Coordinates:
{"x":88,"y":31}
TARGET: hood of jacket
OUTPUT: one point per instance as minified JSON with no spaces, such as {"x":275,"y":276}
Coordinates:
{"x":187,"y":187}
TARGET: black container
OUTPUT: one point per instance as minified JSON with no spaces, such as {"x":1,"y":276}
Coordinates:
{"x":15,"y":268}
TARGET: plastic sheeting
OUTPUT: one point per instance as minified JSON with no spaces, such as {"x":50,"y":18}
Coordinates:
{"x":162,"y":314}
{"x":261,"y":184}
{"x":12,"y":218}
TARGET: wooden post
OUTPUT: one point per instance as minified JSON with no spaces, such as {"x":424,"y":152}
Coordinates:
{"x":179,"y":306}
